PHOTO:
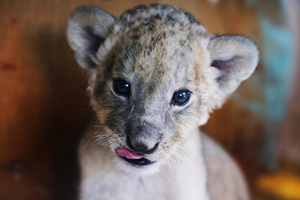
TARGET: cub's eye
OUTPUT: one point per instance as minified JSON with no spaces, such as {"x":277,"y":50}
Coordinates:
{"x":181,"y":97}
{"x":121,"y":87}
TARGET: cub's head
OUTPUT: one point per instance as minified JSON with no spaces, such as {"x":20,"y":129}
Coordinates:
{"x":154,"y":77}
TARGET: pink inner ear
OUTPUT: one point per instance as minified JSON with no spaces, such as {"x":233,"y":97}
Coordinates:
{"x":222,"y":65}
{"x":127,"y":154}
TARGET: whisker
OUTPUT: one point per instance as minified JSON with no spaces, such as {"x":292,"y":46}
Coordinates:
{"x":99,"y":126}
{"x":186,"y":152}
{"x":88,"y":142}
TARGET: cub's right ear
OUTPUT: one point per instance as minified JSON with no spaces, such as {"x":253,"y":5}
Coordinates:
{"x":88,"y":27}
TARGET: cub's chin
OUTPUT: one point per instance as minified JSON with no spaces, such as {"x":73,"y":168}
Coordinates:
{"x":141,"y":167}
{"x":131,"y":162}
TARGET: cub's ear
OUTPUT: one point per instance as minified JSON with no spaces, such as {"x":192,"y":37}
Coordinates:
{"x":88,"y":27}
{"x":235,"y":57}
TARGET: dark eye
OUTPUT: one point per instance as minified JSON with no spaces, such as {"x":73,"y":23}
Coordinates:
{"x":181,"y":97}
{"x":121,"y":87}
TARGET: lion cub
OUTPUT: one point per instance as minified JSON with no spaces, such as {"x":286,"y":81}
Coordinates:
{"x":155,"y":75}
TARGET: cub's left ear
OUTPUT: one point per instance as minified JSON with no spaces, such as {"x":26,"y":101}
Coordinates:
{"x":88,"y":27}
{"x":235,"y":57}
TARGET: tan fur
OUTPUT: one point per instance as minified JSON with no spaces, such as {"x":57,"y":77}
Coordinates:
{"x":158,"y":50}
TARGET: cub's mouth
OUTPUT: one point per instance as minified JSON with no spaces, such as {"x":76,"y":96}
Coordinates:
{"x":132,"y":158}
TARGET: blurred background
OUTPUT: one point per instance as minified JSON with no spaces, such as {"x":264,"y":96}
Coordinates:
{"x":44,"y":107}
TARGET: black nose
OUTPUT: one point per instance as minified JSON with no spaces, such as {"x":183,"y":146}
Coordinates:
{"x":141,"y":148}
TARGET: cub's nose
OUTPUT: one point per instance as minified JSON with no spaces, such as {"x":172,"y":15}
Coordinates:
{"x":141,"y":148}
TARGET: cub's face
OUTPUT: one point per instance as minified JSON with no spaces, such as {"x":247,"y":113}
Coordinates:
{"x":155,"y":76}
{"x":149,"y":92}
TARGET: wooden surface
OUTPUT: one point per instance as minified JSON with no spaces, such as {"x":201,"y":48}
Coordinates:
{"x":44,"y":108}
{"x":282,"y":184}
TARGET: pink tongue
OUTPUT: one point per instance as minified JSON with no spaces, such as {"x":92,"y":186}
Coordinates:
{"x":127,"y":154}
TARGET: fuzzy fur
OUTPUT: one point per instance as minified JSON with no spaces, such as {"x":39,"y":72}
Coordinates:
{"x":158,"y":50}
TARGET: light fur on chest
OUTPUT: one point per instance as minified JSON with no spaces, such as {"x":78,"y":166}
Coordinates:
{"x":183,"y":178}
